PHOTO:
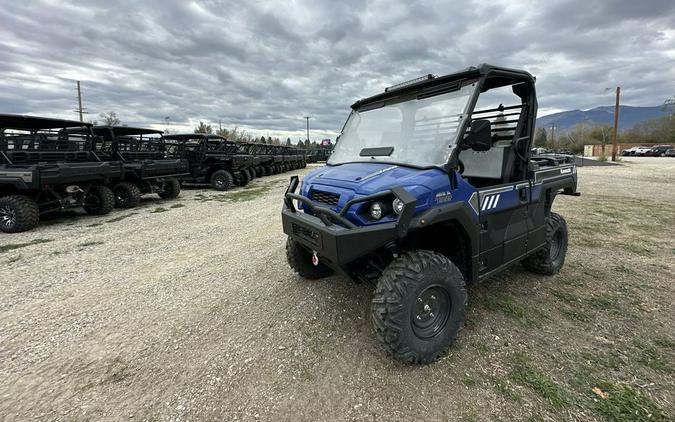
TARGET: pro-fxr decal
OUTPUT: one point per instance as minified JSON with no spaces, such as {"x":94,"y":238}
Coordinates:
{"x":489,"y":202}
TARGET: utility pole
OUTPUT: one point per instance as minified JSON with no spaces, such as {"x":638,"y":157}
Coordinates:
{"x":307,"y":117}
{"x":80,"y":109}
{"x":616,"y":123}
{"x":553,"y":135}
{"x":220,"y":126}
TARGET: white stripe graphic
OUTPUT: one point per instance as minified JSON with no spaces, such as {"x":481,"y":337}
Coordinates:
{"x":489,"y":205}
{"x":485,"y":199}
{"x":496,"y":200}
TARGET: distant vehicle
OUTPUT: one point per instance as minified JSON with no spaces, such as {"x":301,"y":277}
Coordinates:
{"x":658,"y":151}
{"x":640,"y":151}
{"x":630,"y":151}
{"x":670,"y":152}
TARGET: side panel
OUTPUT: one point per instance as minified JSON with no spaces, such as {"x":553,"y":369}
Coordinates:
{"x":504,"y":225}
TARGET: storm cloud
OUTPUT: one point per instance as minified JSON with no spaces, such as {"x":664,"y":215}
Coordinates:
{"x":262,"y":66}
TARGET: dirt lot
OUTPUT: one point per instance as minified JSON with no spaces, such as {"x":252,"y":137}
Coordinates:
{"x":186,"y":310}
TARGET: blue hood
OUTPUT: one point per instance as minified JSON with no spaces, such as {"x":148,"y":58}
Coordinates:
{"x":369,"y":178}
{"x":353,"y":180}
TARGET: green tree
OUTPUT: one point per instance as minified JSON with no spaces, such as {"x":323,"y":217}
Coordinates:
{"x":541,"y":138}
{"x":203,"y":128}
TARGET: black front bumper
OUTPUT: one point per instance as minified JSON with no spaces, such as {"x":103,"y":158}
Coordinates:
{"x":336,"y":240}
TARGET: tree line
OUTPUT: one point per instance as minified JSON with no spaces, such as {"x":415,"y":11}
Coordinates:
{"x":240,"y":135}
{"x":659,"y":130}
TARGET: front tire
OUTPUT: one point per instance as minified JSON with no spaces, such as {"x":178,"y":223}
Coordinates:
{"x":550,"y":259}
{"x":171,"y":189}
{"x":222,"y":180}
{"x":419,"y":306}
{"x":300,"y":259}
{"x":127,"y":195}
{"x":18,"y":213}
{"x":99,"y":201}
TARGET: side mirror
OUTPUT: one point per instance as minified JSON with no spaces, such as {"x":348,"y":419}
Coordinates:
{"x":480,"y":135}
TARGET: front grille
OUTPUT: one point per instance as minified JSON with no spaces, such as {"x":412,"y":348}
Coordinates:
{"x":307,"y":234}
{"x":327,"y":198}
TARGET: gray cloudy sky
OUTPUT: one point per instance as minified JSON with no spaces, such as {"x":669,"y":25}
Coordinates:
{"x":266,"y":64}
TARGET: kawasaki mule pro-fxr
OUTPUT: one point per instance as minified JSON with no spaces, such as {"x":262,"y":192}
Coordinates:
{"x":431,"y":186}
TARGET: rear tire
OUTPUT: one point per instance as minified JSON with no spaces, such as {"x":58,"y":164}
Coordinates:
{"x":127,"y":195}
{"x":171,"y":189}
{"x":18,"y":213}
{"x":300,"y":259}
{"x":222,"y":180}
{"x":244,"y":178}
{"x":550,"y":259}
{"x":99,"y":201}
{"x":251,"y":173}
{"x":419,"y":306}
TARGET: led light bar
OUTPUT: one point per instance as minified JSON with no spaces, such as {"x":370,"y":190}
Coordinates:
{"x":410,"y":82}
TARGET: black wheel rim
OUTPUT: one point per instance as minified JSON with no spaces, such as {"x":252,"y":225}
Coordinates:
{"x":92,"y":202}
{"x":220,"y":181}
{"x":122,"y":196}
{"x":7,"y":216}
{"x":556,"y":245}
{"x":431,"y":311}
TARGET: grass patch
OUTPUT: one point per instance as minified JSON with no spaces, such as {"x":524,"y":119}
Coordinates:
{"x":11,"y":247}
{"x":637,"y":248}
{"x":510,"y":307}
{"x":95,"y":225}
{"x":241,"y":195}
{"x":525,"y":374}
{"x":507,"y":392}
{"x":247,"y":194}
{"x":602,"y":301}
{"x":565,"y":296}
{"x":623,"y":403}
{"x":91,"y":243}
{"x":177,"y":206}
{"x":121,"y":217}
{"x":159,"y":209}
{"x":576,"y":315}
{"x":651,"y":357}
{"x":469,"y":381}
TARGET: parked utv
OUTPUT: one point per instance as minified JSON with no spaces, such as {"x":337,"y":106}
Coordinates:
{"x":46,"y":168}
{"x":213,"y":159}
{"x":146,"y":167}
{"x":431,"y":187}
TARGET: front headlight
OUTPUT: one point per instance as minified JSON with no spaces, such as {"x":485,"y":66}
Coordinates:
{"x":397,"y":205}
{"x":376,"y":211}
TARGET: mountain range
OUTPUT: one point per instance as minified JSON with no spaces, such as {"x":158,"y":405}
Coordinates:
{"x":629,"y":116}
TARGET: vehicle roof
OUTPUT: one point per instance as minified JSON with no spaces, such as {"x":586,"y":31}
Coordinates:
{"x":127,"y":130}
{"x":503,"y":76}
{"x":18,"y":121}
{"x":194,"y":135}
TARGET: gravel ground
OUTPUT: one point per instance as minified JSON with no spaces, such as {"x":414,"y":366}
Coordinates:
{"x":187,"y":310}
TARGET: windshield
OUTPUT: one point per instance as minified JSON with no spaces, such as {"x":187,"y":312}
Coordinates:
{"x":417,"y":132}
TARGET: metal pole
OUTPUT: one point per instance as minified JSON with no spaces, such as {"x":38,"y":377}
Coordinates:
{"x":553,"y":136}
{"x":79,"y":101}
{"x":307,"y":117}
{"x":616,"y":123}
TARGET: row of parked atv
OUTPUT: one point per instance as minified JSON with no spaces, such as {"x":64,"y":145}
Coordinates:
{"x":49,"y":165}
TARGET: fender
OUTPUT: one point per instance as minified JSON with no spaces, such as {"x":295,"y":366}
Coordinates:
{"x":462,"y":214}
